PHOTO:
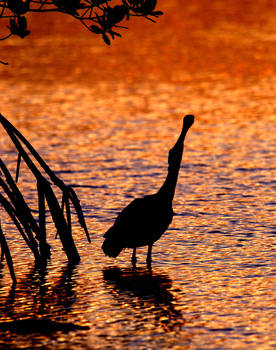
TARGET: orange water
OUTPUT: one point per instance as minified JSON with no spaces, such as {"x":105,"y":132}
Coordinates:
{"x":104,"y":119}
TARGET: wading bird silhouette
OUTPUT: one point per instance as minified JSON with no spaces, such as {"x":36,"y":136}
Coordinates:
{"x":145,"y":219}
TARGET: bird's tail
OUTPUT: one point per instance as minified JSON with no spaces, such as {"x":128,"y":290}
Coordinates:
{"x":111,"y":247}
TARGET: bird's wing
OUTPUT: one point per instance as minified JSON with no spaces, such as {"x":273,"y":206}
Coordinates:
{"x":128,"y":216}
{"x":130,"y":212}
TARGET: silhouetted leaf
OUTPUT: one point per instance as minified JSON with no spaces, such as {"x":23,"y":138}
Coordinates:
{"x":114,"y":33}
{"x":6,"y":252}
{"x":65,"y":200}
{"x":18,"y":6}
{"x":20,"y":208}
{"x":19,"y":27}
{"x":13,"y":26}
{"x":106,"y":39}
{"x":116,"y":14}
{"x":11,"y":212}
{"x":61,"y":226}
{"x":96,"y":29}
{"x":75,"y":201}
{"x":17,"y":167}
{"x":44,"y":246}
{"x":149,"y":5}
{"x":157,"y":13}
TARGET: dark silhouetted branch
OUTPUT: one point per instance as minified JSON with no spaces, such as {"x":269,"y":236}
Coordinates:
{"x":98,"y":16}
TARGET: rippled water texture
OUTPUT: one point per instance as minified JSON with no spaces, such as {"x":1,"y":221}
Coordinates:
{"x":104,"y":119}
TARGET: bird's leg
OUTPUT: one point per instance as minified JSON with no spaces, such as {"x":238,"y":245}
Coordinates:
{"x":133,"y":259}
{"x":149,"y":256}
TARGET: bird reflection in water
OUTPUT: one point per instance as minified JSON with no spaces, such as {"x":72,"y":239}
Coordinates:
{"x":145,"y":292}
{"x":145,"y":219}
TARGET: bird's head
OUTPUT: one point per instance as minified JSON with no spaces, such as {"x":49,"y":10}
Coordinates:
{"x":188,"y":121}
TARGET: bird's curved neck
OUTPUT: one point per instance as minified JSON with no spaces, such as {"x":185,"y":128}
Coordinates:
{"x":175,"y":156}
{"x":167,"y":190}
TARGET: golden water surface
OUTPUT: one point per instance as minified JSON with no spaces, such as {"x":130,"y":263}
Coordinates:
{"x":104,"y":119}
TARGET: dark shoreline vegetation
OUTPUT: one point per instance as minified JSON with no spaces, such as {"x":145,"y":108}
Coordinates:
{"x":33,"y":230}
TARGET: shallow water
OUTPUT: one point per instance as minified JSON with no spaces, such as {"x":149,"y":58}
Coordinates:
{"x":104,"y":120}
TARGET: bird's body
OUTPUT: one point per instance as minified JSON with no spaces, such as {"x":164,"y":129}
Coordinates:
{"x":144,"y":220}
{"x":141,"y":223}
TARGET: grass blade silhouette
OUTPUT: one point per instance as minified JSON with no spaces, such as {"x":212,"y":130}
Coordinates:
{"x":14,"y":204}
{"x":14,"y":134}
{"x":6,"y":253}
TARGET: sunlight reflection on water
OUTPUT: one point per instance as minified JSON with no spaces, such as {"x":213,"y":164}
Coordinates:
{"x":213,"y":280}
